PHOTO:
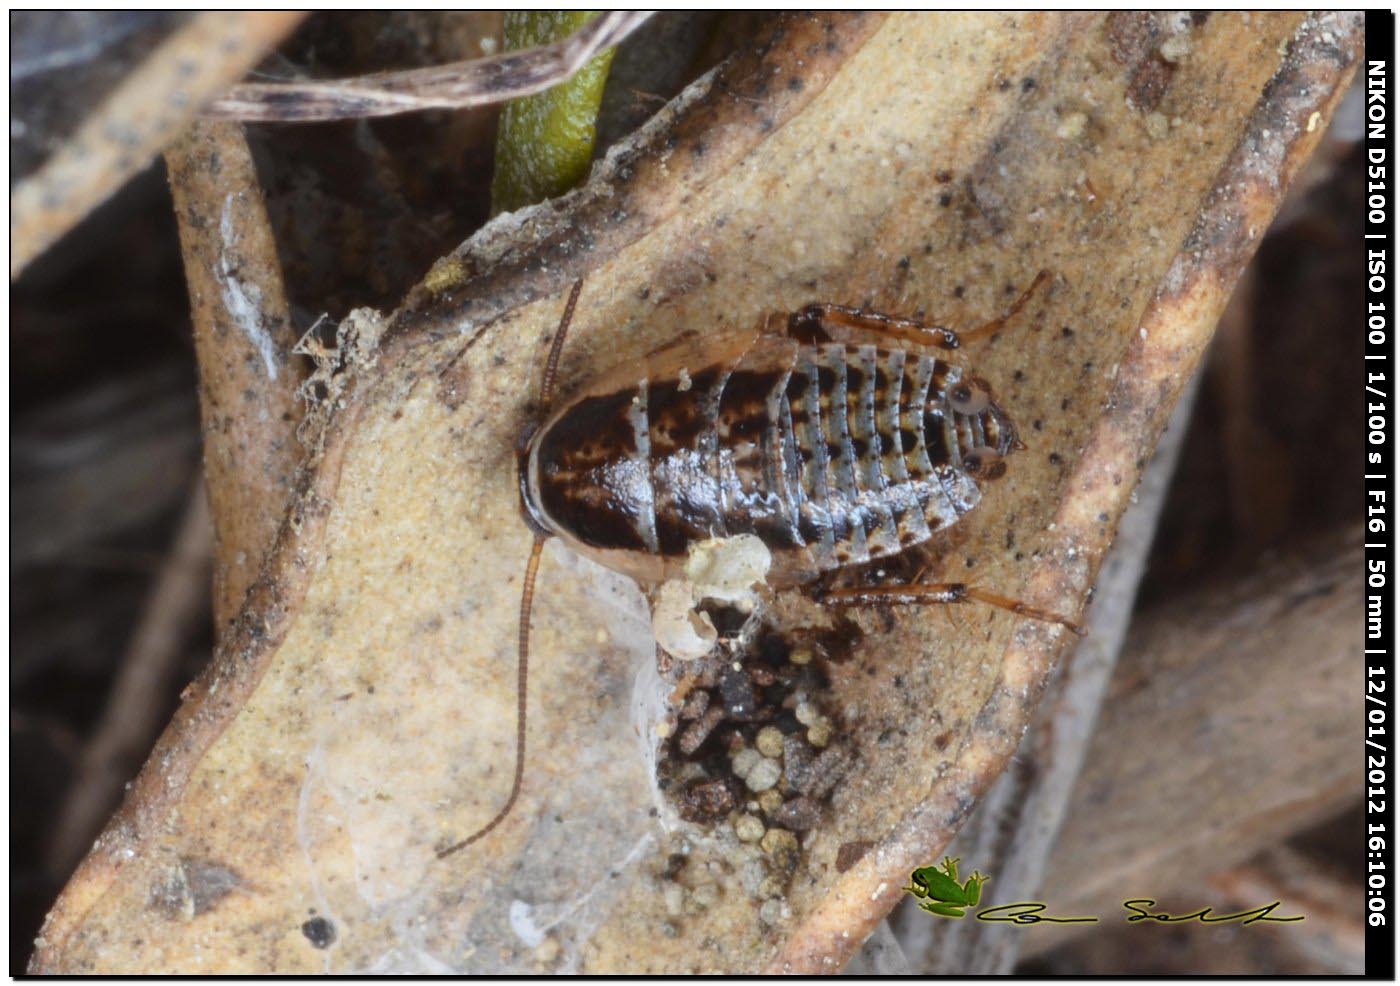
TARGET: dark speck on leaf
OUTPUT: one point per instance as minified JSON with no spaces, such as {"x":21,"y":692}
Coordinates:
{"x":850,"y":853}
{"x":319,"y":932}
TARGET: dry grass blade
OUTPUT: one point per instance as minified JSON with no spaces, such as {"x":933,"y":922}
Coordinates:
{"x":136,"y":122}
{"x":363,"y":711}
{"x":478,"y":82}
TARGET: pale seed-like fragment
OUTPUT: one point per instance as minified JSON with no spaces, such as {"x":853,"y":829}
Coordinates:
{"x":764,"y":775}
{"x":748,"y":828}
{"x":770,"y":801}
{"x":778,"y":840}
{"x":770,"y":742}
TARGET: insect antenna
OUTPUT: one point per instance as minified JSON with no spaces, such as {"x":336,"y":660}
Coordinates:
{"x":527,"y":600}
{"x":522,"y":681}
{"x":551,"y":366}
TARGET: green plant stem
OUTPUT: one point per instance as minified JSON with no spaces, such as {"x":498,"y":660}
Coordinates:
{"x":545,"y":141}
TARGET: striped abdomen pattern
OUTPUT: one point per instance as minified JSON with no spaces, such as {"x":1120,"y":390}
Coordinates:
{"x":838,"y":453}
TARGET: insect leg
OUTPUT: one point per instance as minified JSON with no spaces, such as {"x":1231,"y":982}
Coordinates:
{"x":811,"y":324}
{"x":940,"y":592}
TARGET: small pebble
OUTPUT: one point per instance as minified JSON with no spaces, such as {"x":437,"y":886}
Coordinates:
{"x":819,"y":733}
{"x":781,"y":846}
{"x":697,"y":732}
{"x":771,"y":912}
{"x":778,"y":840}
{"x":706,"y":800}
{"x":695,"y":704}
{"x":797,"y":763}
{"x":799,"y":813}
{"x":770,"y":742}
{"x":801,"y":655}
{"x":764,"y":775}
{"x":748,"y":828}
{"x":829,"y":768}
{"x":770,"y":801}
{"x":851,"y":853}
{"x":737,"y":692}
{"x":807,"y":713}
{"x":744,"y":761}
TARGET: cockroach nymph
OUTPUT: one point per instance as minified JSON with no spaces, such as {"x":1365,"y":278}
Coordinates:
{"x":832,"y":433}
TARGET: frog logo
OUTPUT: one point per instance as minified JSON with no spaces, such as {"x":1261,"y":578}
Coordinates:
{"x":939,"y":892}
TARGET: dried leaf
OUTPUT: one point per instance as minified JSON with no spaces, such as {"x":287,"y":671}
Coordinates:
{"x":363,"y":712}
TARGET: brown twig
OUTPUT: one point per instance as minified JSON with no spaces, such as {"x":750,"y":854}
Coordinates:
{"x":244,"y":336}
{"x":459,"y":85}
{"x":133,"y":714}
{"x":145,"y":112}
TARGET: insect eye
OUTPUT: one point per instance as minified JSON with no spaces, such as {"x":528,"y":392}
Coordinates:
{"x":984,"y":463}
{"x":964,"y":398}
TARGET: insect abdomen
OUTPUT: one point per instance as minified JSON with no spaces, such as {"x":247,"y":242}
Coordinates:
{"x":831,"y":454}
